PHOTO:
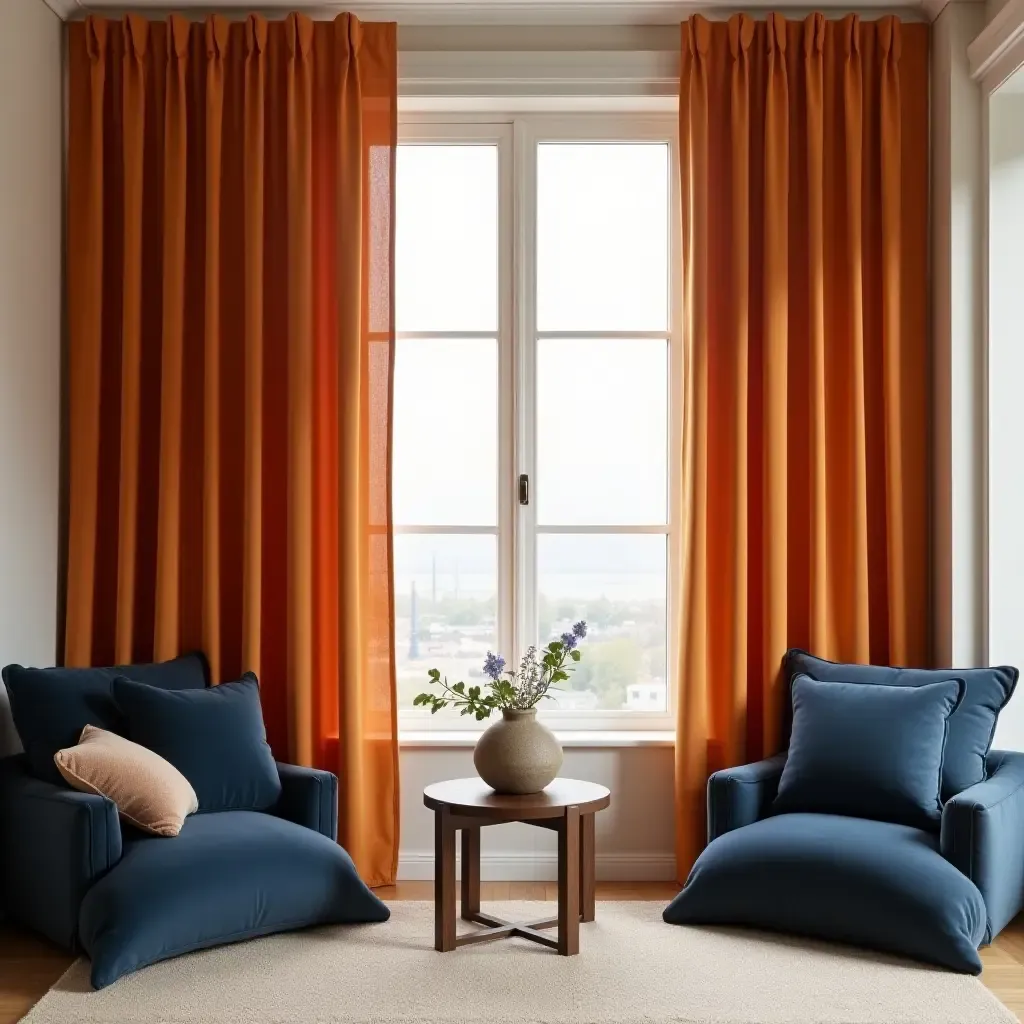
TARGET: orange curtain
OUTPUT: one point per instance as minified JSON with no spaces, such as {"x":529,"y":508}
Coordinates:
{"x":804,"y":174}
{"x":230,"y":304}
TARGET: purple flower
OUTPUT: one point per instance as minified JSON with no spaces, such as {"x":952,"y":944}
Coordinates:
{"x":569,"y":640}
{"x":579,"y":630}
{"x":494,"y":666}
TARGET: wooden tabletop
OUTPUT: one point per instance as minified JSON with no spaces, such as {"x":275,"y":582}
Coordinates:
{"x":473,"y":797}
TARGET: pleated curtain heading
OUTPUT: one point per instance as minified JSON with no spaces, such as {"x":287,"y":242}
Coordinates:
{"x":230,"y":308}
{"x":804,"y":170}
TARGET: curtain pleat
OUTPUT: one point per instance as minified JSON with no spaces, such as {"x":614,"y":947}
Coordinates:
{"x":134,"y":128}
{"x":230,"y":222}
{"x":804,"y":469}
{"x":166,"y":618}
{"x":85,"y":286}
{"x":253,"y":263}
{"x":300,"y":381}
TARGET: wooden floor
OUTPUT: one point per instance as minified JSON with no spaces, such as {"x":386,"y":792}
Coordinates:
{"x":29,"y":966}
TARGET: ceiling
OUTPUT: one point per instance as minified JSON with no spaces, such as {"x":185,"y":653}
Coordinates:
{"x":496,"y":12}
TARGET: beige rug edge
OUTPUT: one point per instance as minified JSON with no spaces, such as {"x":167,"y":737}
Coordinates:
{"x":389,"y":974}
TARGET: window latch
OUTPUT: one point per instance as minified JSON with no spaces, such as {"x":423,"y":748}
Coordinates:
{"x":524,"y":489}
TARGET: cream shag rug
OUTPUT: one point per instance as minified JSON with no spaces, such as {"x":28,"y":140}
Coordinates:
{"x":632,"y":969}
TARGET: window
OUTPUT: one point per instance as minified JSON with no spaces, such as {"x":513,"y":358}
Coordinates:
{"x":535,"y":336}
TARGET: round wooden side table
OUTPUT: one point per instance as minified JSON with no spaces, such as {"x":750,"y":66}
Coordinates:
{"x":567,"y":807}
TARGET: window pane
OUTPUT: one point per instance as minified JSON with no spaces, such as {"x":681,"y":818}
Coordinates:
{"x":446,"y":604}
{"x":445,"y":469}
{"x":602,"y":236}
{"x":446,"y":245}
{"x":602,"y":432}
{"x":617,"y":583}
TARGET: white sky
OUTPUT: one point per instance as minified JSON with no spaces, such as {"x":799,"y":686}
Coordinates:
{"x":602,"y":237}
{"x":603,"y":227}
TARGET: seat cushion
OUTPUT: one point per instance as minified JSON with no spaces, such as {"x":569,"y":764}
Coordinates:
{"x":868,"y":883}
{"x":224,"y":878}
{"x":868,"y":751}
{"x":986,"y":691}
{"x":214,"y":737}
{"x":51,"y":706}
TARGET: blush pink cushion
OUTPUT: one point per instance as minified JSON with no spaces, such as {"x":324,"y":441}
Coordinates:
{"x":149,"y":792}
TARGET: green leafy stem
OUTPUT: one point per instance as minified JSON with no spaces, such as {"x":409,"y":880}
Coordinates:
{"x":507,"y":692}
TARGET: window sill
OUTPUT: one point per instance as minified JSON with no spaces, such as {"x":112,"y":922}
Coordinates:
{"x":423,"y":738}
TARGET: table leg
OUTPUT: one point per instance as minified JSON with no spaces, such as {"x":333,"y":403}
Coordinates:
{"x":444,"y":881}
{"x":587,"y":868}
{"x":470,"y":873}
{"x":569,"y":882}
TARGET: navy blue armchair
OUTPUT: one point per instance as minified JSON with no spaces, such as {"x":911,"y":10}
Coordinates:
{"x":982,"y":831}
{"x":72,"y":871}
{"x":858,"y":846}
{"x":58,"y":843}
{"x":931,"y":895}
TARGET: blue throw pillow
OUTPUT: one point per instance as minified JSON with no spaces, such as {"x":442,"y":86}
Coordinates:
{"x":970,"y":731}
{"x":868,"y":751}
{"x":214,"y":737}
{"x":51,"y":706}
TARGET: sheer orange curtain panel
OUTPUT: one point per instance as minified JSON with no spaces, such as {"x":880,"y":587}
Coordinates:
{"x":230,"y":305}
{"x":804,"y":170}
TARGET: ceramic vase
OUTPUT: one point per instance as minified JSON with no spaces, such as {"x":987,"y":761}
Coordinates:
{"x":518,"y":754}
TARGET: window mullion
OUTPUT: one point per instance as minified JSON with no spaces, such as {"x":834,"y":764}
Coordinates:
{"x":507,"y":401}
{"x":446,"y":335}
{"x":447,"y":528}
{"x":603,"y":528}
{"x":609,"y":335}
{"x":524,"y":243}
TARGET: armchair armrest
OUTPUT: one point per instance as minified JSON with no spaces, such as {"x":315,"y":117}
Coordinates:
{"x":54,"y":844}
{"x":309,"y":797}
{"x":740,"y":796}
{"x":982,"y":834}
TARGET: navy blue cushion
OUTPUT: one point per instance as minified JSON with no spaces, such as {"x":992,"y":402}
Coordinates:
{"x":970,"y":730}
{"x":868,"y":751}
{"x":867,"y":883}
{"x":224,"y":878}
{"x":214,"y":737}
{"x":51,"y":706}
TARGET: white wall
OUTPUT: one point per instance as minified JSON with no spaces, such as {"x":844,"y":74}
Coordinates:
{"x":566,"y":38}
{"x":958,"y":576}
{"x":635,"y":835}
{"x":1006,"y":385}
{"x":31,"y":295}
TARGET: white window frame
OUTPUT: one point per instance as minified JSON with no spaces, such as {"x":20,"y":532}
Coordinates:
{"x":517,"y":137}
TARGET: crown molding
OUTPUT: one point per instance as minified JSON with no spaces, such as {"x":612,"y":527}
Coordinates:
{"x":492,"y":12}
{"x":64,"y":9}
{"x":933,"y":8}
{"x":999,"y":49}
{"x":525,"y":12}
{"x":601,"y":12}
{"x":426,"y":12}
